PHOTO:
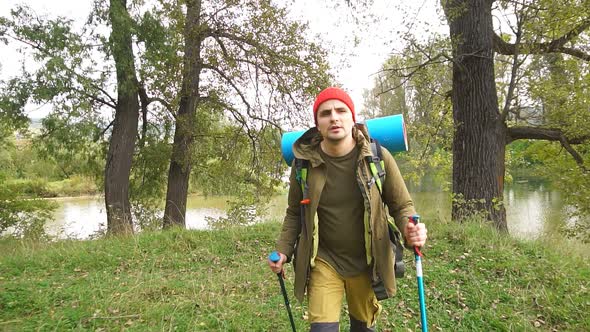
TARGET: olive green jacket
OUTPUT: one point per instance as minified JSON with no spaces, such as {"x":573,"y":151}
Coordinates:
{"x":303,"y":241}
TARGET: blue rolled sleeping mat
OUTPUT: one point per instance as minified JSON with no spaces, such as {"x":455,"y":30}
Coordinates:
{"x":390,"y":131}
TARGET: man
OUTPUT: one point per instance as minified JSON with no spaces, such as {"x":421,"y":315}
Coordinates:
{"x":341,"y":245}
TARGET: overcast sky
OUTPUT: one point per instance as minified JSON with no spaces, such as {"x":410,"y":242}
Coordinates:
{"x":354,"y":65}
{"x":378,"y":36}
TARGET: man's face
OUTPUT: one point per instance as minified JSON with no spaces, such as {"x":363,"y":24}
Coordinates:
{"x":334,"y":120}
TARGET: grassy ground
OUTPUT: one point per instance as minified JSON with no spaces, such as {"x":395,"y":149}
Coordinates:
{"x":476,"y":280}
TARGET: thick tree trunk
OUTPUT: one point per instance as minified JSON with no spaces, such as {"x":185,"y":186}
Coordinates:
{"x":121,"y":147}
{"x":480,"y":133}
{"x":181,"y":161}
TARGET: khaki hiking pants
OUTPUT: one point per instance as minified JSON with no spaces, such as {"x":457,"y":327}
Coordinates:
{"x":325,"y":291}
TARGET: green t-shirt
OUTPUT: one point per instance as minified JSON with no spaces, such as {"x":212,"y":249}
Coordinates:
{"x":340,"y":215}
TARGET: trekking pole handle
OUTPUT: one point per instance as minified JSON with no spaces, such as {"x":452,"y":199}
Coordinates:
{"x":274,"y":256}
{"x":415,"y":219}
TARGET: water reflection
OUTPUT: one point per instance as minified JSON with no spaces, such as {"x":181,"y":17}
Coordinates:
{"x":529,"y":214}
{"x":532,"y":213}
{"x":81,"y":217}
{"x":77,"y":217}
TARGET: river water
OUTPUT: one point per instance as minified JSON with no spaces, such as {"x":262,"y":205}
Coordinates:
{"x":532,"y":210}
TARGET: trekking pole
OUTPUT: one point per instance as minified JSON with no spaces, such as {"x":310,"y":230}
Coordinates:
{"x":275,"y":257}
{"x":415,"y":219}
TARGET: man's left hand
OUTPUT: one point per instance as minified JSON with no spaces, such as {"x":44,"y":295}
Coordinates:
{"x":415,"y":235}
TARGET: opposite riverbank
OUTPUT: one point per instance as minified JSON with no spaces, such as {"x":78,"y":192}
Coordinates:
{"x":76,"y":186}
{"x":476,"y":280}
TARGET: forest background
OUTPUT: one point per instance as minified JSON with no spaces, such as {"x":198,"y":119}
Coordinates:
{"x":150,"y":101}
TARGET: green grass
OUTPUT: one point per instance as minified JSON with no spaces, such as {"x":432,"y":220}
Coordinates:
{"x":476,"y":280}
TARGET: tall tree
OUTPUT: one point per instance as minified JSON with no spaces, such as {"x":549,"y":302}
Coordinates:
{"x":122,"y":143}
{"x":180,"y":163}
{"x":245,"y":59}
{"x":479,"y":139}
{"x":481,"y":128}
{"x":74,"y":72}
{"x":499,"y":85}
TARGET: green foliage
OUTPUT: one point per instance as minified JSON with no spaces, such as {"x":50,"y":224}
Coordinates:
{"x":30,"y":187}
{"x":559,"y":86}
{"x":67,"y":74}
{"x":573,"y":182}
{"x":69,"y":77}
{"x":160,"y":49}
{"x":256,"y":77}
{"x":521,"y":155}
{"x":75,"y":185}
{"x":20,"y":217}
{"x":242,"y":211}
{"x":244,"y":165}
{"x":20,"y":160}
{"x":13,"y":97}
{"x":229,"y":161}
{"x":551,"y":91}
{"x":416,"y":86}
{"x":71,"y":143}
{"x":146,"y":214}
{"x":220,"y":281}
{"x":31,"y":174}
{"x":473,"y":209}
{"x":148,"y":177}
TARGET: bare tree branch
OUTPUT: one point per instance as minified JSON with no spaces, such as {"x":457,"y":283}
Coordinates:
{"x":414,"y":69}
{"x":102,"y":132}
{"x":577,"y":157}
{"x":549,"y":134}
{"x":515,"y":66}
{"x":147,"y":100}
{"x":554,"y":46}
{"x":144,"y":102}
{"x":97,"y":99}
{"x":240,"y":94}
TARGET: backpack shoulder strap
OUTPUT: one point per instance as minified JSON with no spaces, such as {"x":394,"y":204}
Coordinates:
{"x":376,"y":164}
{"x":301,"y":170}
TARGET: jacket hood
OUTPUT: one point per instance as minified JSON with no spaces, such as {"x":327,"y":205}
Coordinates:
{"x":306,"y":147}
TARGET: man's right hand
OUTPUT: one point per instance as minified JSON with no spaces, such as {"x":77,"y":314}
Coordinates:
{"x":278,"y":266}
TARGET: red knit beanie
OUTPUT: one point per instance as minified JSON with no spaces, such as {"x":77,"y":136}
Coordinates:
{"x":332,"y":93}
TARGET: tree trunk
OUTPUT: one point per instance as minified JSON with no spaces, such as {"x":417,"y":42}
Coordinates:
{"x":121,"y":147}
{"x":181,"y":161}
{"x":480,"y":133}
